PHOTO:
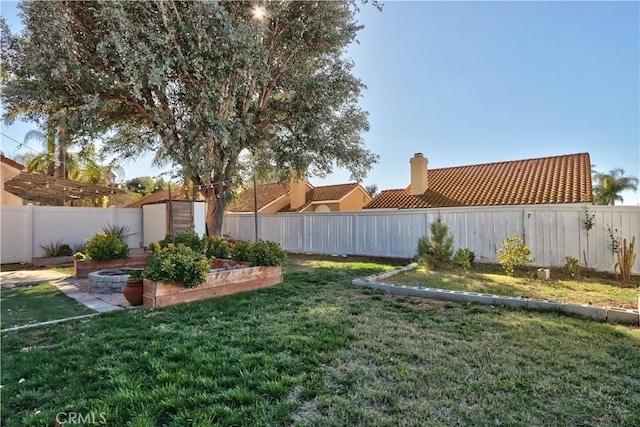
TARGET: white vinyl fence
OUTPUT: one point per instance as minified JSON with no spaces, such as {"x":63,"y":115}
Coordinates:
{"x":24,"y":229}
{"x":552,"y":232}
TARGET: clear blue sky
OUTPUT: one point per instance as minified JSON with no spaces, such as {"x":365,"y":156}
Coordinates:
{"x":477,"y":82}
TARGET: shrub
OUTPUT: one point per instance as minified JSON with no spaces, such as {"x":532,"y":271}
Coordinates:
{"x":267,"y":253}
{"x":103,"y":247}
{"x":241,"y":251}
{"x":512,"y":254}
{"x":187,"y":238}
{"x":571,"y":266}
{"x":55,"y":249}
{"x":464,"y":257}
{"x":177,"y":265}
{"x":122,"y":232}
{"x":216,"y":247}
{"x":436,"y":251}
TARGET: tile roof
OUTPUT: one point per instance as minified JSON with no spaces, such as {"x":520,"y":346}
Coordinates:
{"x":545,"y":180}
{"x":159,"y":197}
{"x":267,"y":193}
{"x":11,"y":162}
{"x":324,"y":193}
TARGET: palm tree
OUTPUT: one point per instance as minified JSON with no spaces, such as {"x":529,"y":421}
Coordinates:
{"x":608,"y":186}
{"x":55,"y":160}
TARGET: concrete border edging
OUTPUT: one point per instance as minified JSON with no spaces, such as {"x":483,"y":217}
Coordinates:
{"x":604,"y":314}
{"x":48,"y":322}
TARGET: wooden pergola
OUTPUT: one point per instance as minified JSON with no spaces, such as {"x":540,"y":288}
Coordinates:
{"x":32,"y":187}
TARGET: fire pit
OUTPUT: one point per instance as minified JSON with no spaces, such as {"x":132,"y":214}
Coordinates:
{"x":109,"y":281}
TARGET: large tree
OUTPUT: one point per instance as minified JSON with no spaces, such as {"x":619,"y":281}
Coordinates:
{"x":198,"y":82}
{"x":608,"y":186}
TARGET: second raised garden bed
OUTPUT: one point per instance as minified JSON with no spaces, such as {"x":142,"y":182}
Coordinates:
{"x":218,"y":283}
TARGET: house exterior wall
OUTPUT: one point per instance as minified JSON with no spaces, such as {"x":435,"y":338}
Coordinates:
{"x":552,"y":232}
{"x":355,"y":200}
{"x":276,"y":206}
{"x":6,"y":173}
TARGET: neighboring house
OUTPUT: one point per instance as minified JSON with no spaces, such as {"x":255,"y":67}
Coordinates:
{"x":545,"y":180}
{"x":301,"y":196}
{"x":10,"y":168}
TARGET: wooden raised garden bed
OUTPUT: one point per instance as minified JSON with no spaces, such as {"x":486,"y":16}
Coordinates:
{"x":220,"y":283}
{"x":83,"y":268}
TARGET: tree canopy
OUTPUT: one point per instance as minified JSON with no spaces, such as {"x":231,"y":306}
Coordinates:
{"x":197,"y":82}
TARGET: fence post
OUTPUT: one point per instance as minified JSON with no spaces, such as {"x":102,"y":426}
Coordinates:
{"x":29,"y":233}
{"x":305,"y":231}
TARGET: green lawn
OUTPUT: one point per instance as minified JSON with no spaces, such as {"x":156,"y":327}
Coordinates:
{"x":592,"y":288}
{"x":317,"y":351}
{"x":25,"y":305}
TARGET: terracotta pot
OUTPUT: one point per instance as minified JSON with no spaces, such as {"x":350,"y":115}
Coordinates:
{"x":133,"y":291}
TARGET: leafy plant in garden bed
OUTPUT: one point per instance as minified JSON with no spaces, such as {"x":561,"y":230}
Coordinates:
{"x":104,"y":247}
{"x":176,"y":264}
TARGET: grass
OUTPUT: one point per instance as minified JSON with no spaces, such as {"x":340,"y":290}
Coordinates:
{"x":25,"y":305}
{"x":314,"y":350}
{"x":67,"y":269}
{"x":592,"y":288}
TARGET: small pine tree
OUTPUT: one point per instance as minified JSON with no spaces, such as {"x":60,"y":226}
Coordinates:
{"x":436,"y":251}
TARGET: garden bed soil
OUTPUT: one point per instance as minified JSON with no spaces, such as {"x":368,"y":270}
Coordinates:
{"x":83,"y":268}
{"x":221,"y":283}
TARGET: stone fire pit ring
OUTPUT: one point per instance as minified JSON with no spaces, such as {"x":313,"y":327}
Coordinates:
{"x":109,"y":281}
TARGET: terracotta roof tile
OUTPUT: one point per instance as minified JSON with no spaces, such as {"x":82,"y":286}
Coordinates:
{"x":331,"y":192}
{"x":11,"y":162}
{"x":546,"y":180}
{"x":267,"y":193}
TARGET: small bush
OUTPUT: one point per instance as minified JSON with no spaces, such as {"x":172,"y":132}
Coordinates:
{"x":436,"y":251}
{"x":187,"y":238}
{"x":241,"y":251}
{"x":464,"y":257}
{"x":216,"y":247}
{"x":55,"y":249}
{"x":104,"y":247}
{"x":513,"y":253}
{"x":572,"y":266}
{"x":267,"y":253}
{"x":177,"y":265}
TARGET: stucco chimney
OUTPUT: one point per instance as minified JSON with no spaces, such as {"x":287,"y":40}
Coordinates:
{"x":419,"y":180}
{"x":298,"y":190}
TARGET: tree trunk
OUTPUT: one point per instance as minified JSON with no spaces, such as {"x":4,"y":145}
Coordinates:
{"x":62,"y":158}
{"x":215,"y":215}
